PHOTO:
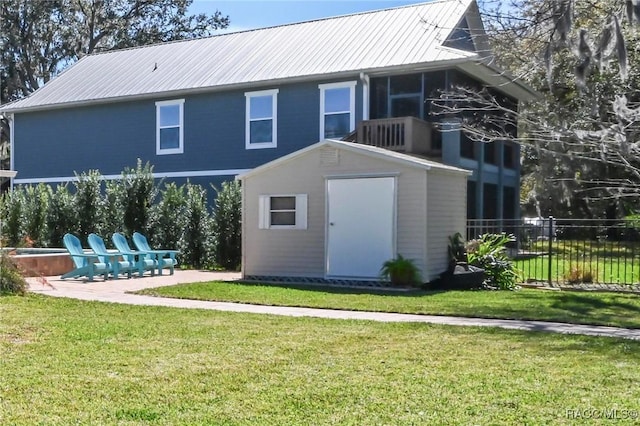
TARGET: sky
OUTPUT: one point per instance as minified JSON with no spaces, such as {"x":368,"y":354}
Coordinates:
{"x":250,"y":14}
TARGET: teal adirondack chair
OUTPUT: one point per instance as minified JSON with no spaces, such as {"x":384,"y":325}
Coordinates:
{"x":138,"y":258}
{"x":165,"y":258}
{"x":112,"y":258}
{"x":85,"y":263}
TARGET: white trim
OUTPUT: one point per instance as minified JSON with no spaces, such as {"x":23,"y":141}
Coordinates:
{"x":193,"y":173}
{"x":352,"y":103}
{"x":362,"y":175}
{"x":180,"y":148}
{"x":372,"y":151}
{"x":274,"y":118}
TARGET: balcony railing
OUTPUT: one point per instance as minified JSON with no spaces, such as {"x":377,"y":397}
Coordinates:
{"x":402,"y":134}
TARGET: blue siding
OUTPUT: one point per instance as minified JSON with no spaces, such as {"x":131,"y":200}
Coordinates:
{"x":110,"y":137}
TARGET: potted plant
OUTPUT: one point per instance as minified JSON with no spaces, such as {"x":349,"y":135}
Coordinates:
{"x":457,"y":251}
{"x":401,"y":272}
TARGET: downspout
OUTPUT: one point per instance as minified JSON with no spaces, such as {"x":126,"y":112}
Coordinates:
{"x":364,"y":78}
{"x":12,"y":132}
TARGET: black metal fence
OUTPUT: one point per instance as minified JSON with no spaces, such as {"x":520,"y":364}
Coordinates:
{"x":570,"y":251}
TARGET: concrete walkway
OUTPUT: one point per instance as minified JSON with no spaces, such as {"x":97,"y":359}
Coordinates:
{"x":115,"y":291}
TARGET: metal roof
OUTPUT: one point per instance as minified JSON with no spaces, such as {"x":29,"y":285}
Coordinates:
{"x":370,"y":41}
{"x":371,"y":151}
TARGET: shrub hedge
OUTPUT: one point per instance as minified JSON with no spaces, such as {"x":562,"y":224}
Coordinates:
{"x":170,"y":215}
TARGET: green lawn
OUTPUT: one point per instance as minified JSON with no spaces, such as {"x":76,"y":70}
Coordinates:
{"x":610,"y":271}
{"x":601,"y":262}
{"x":72,"y":362}
{"x":612,"y":309}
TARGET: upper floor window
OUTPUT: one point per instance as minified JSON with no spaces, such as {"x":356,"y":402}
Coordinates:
{"x":491,"y":153}
{"x":467,"y":147}
{"x":261,"y":119}
{"x":337,"y":109}
{"x":509,"y":161}
{"x":169,"y":127}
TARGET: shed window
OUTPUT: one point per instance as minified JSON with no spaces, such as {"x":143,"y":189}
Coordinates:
{"x":261,"y":119}
{"x":283,"y":211}
{"x":169,"y":127}
{"x":337,"y":109}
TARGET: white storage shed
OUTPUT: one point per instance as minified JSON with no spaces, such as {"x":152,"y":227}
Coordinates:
{"x":338,"y":210}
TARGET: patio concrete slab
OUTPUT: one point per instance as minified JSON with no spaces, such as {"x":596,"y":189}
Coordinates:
{"x":116,"y":291}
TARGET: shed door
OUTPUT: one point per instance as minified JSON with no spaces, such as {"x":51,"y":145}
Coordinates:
{"x":360,"y":226}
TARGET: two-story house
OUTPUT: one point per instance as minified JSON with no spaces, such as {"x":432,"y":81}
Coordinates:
{"x":211,"y":108}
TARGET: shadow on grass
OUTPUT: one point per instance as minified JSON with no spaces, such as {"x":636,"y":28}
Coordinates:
{"x":601,"y":309}
{"x":341,"y":289}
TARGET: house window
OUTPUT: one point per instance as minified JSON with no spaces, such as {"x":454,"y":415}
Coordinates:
{"x":169,"y":127}
{"x":261,"y":119}
{"x":467,"y":147}
{"x":490,"y":201}
{"x":283,"y":211}
{"x":471,"y":200}
{"x":509,"y":202}
{"x":337,"y":109}
{"x":509,"y":156}
{"x":405,"y":96}
{"x":490,"y":153}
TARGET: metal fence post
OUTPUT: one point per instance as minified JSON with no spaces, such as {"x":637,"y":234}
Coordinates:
{"x":550,"y":236}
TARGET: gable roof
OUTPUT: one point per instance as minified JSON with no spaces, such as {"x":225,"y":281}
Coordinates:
{"x":368,"y":150}
{"x":399,"y":38}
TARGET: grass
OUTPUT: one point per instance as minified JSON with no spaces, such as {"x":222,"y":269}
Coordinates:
{"x":613,"y":309}
{"x":591,"y":261}
{"x":610,"y":271}
{"x":72,"y":362}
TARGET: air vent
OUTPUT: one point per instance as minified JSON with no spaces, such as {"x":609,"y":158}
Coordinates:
{"x":329,"y":157}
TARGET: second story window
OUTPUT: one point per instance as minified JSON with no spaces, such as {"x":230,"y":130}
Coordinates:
{"x":491,"y":153}
{"x":509,"y":156}
{"x":261,"y":119}
{"x":337,"y":109}
{"x":169,"y":127}
{"x":467,"y":147}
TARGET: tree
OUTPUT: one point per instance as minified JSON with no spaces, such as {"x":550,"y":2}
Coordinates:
{"x":40,"y":38}
{"x":580,"y":140}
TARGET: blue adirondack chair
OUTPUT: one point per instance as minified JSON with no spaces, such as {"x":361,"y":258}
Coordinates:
{"x":118,"y":266}
{"x":138,"y":258}
{"x":86,"y":264}
{"x":165,"y":258}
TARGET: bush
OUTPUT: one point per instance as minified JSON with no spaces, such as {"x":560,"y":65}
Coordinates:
{"x":488,"y":252}
{"x":176,"y":217}
{"x":196,"y":241}
{"x":576,"y":275}
{"x":227,"y":225}
{"x":36,"y":206}
{"x":11,"y":279}
{"x":113,"y":209}
{"x":12,"y":205}
{"x":61,"y":215}
{"x":140,"y":191}
{"x":168,"y":217}
{"x":89,"y":204}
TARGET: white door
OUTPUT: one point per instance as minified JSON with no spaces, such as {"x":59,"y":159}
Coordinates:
{"x":360,"y":226}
